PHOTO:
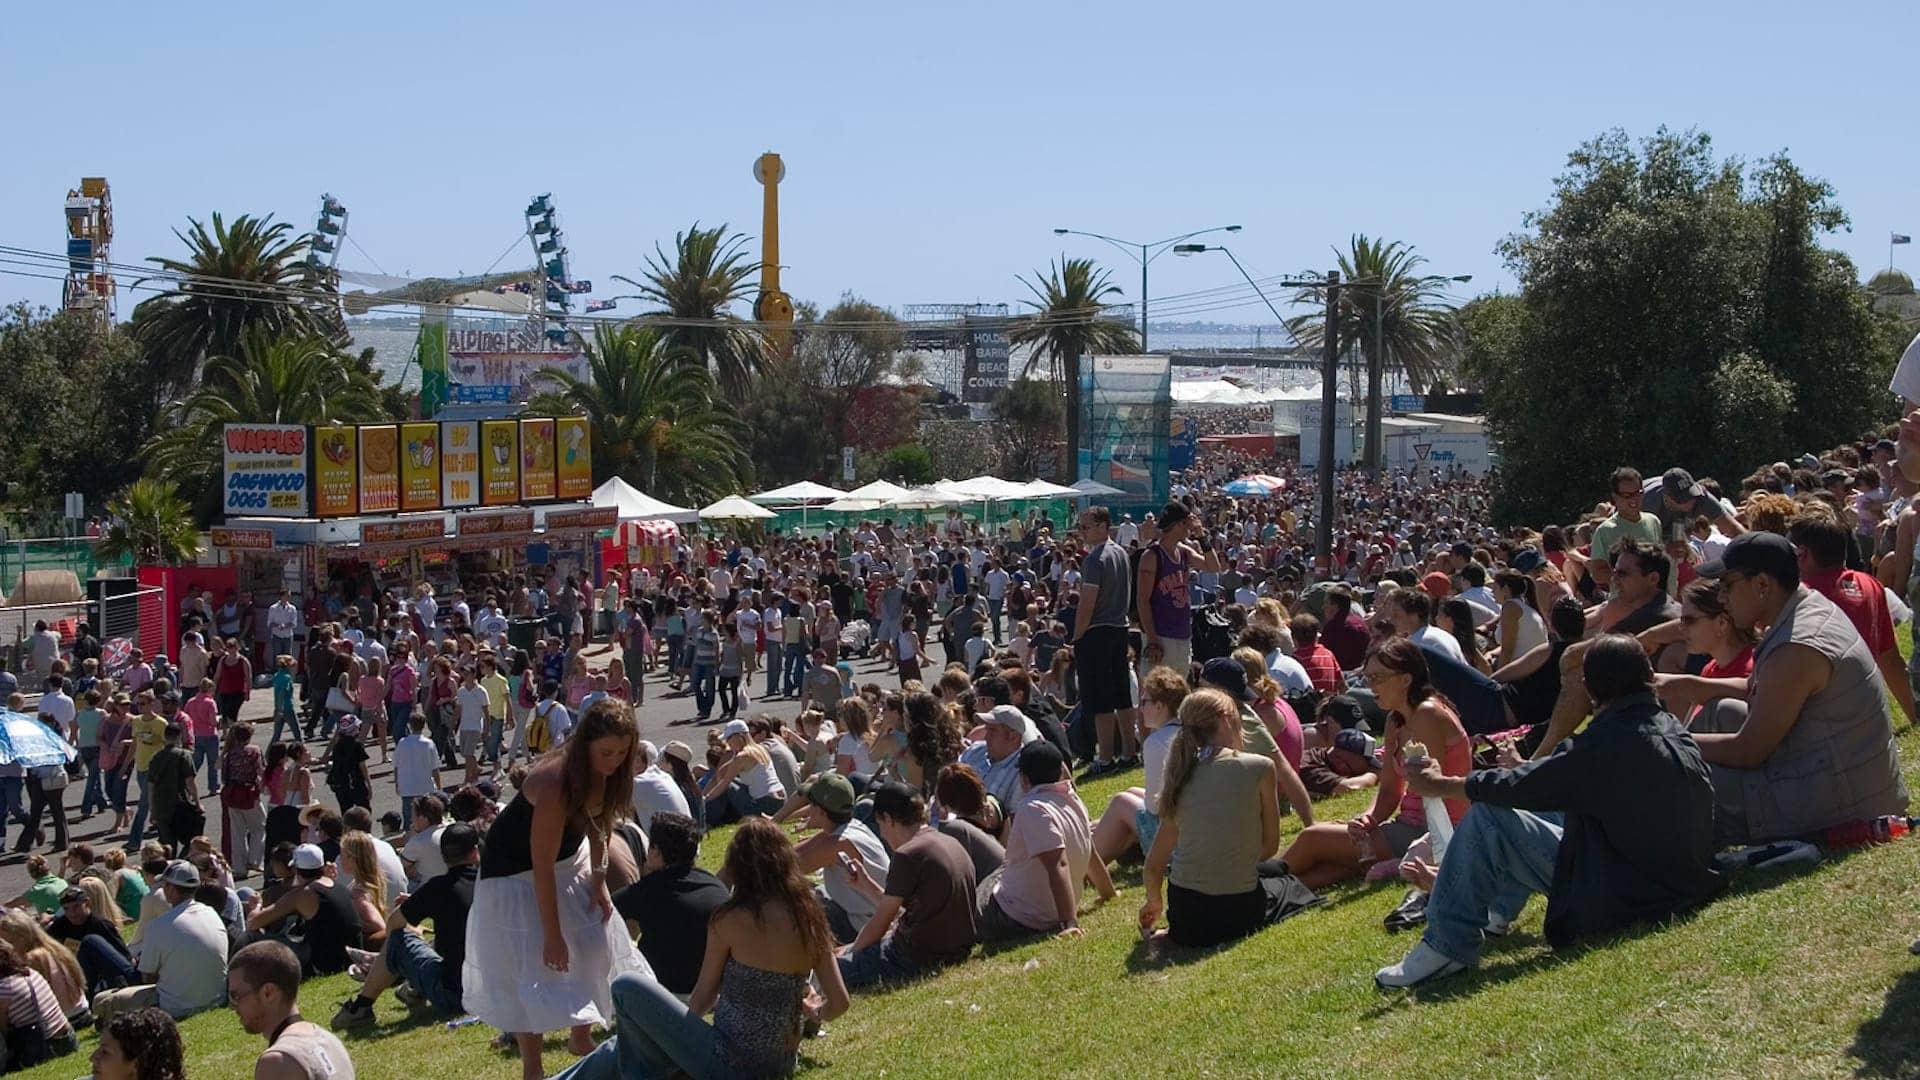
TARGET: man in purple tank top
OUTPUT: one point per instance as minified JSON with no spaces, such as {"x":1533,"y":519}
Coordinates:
{"x":1162,"y":595}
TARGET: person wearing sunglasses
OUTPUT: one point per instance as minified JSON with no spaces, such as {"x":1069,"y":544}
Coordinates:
{"x":1629,"y":520}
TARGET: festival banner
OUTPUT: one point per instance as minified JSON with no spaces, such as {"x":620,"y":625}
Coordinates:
{"x":379,"y":469}
{"x":264,"y":470}
{"x":500,"y":462}
{"x":336,"y":483}
{"x":459,"y":463}
{"x":420,"y":466}
{"x":574,"y":464}
{"x":536,"y":460}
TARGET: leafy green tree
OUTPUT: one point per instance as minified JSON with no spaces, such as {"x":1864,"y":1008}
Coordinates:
{"x":794,"y":433}
{"x":1029,"y":412}
{"x":1065,"y":326}
{"x":1668,"y":299}
{"x":909,"y":465}
{"x":81,"y":398}
{"x":1487,"y":337}
{"x":695,"y":289}
{"x":250,"y":275}
{"x":657,"y":420}
{"x":151,"y":524}
{"x":270,"y":380}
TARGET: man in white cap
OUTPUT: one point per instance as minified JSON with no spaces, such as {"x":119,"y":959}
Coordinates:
{"x":997,"y":756}
{"x":654,"y":790}
{"x":183,"y":954}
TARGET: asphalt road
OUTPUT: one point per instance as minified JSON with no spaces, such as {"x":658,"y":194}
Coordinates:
{"x":665,"y":715}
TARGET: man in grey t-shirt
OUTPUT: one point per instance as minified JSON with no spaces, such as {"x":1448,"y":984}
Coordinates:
{"x":1100,"y":642}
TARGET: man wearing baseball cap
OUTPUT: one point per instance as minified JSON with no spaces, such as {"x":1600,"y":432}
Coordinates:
{"x":1807,"y":741}
{"x":996,"y":756}
{"x":325,"y":905}
{"x":1347,"y":764}
{"x":1677,"y":500}
{"x":745,"y":783}
{"x":826,"y":805}
{"x":183,"y":951}
{"x":1049,"y":855}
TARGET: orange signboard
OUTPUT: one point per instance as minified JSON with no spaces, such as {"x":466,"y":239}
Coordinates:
{"x":591,"y":517}
{"x":573,"y":462}
{"x":499,"y":462}
{"x":396,"y":532}
{"x":242,"y":539}
{"x":536,"y":460}
{"x":420,"y":466}
{"x":379,"y":469}
{"x":513,"y":521}
{"x":336,"y":481}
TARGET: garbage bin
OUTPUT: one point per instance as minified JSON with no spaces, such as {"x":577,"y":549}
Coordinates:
{"x":522,"y":633}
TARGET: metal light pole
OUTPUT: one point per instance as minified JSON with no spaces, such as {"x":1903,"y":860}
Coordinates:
{"x":1145,"y":254}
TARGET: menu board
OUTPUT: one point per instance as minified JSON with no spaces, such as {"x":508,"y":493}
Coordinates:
{"x":264,"y":470}
{"x":499,"y":462}
{"x":459,"y":463}
{"x":420,"y":466}
{"x":573,"y":458}
{"x":536,"y":460}
{"x":336,"y":487}
{"x":379,"y":469}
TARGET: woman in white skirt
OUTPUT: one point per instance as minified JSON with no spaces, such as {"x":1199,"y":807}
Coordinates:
{"x":543,"y":946}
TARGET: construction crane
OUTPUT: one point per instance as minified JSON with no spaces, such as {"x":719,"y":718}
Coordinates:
{"x":89,"y":284}
{"x":772,"y":306}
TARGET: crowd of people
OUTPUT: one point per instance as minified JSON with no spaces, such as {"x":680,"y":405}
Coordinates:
{"x":1592,"y":710}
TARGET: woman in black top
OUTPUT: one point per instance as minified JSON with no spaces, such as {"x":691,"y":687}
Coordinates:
{"x":346,"y":765}
{"x":1531,"y":683}
{"x":542,"y":946}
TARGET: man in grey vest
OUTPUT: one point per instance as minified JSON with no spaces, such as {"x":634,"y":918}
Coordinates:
{"x":1807,"y":741}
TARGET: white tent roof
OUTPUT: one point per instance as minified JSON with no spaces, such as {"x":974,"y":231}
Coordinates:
{"x":734,"y":508}
{"x":805,"y":491}
{"x":1223,"y":392}
{"x":1044,"y":489}
{"x":926,"y":498}
{"x":986,"y":487}
{"x":635,"y":505}
{"x":1095,"y":488}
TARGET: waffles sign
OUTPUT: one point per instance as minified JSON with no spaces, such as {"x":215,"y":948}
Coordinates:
{"x":265,"y":470}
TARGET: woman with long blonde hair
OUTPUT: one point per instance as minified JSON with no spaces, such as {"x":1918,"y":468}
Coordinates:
{"x":1219,"y":817}
{"x":360,"y":863}
{"x":39,"y":951}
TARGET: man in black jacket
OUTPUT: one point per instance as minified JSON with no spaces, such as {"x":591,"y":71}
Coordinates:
{"x":1615,"y":826}
{"x":672,"y":903}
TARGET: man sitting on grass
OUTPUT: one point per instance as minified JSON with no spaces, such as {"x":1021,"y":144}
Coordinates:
{"x":183,"y":952}
{"x":826,"y":805}
{"x":930,"y":889}
{"x":264,"y":985}
{"x":1049,"y":855}
{"x":423,"y":974}
{"x":673,"y":902}
{"x":1615,"y":826}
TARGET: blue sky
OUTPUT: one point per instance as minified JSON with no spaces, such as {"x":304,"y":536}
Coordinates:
{"x":930,"y":149}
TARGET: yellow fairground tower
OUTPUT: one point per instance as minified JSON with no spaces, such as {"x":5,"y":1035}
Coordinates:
{"x":89,"y":250}
{"x":772,"y":305}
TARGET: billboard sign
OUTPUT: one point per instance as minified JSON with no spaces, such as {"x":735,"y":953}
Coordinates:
{"x":336,"y":481}
{"x":459,"y":463}
{"x":379,"y":469}
{"x":536,"y":460}
{"x":499,"y":462}
{"x":420,"y":466}
{"x":573,"y":458}
{"x":987,"y":349}
{"x":264,"y":470}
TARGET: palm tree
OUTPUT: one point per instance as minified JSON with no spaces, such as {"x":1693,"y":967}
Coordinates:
{"x":656,"y":417}
{"x":1388,"y":308}
{"x":708,"y":272}
{"x":151,"y":524}
{"x":235,"y":278}
{"x":1065,"y":326}
{"x":268,"y":380}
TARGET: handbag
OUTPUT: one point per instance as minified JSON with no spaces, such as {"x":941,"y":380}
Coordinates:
{"x":188,"y":821}
{"x":51,"y":777}
{"x":339,"y":700}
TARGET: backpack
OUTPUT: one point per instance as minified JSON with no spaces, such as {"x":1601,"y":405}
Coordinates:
{"x":1212,"y":637}
{"x":1082,"y":737}
{"x":539,"y":731}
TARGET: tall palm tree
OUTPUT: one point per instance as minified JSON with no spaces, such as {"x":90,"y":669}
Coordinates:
{"x":656,"y":416}
{"x":708,"y":272}
{"x":151,"y":524}
{"x":268,"y":380}
{"x":236,"y":277}
{"x":1065,"y":326}
{"x":1386,"y":308}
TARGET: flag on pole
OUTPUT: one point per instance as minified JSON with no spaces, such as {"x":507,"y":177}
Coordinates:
{"x":1901,"y":238}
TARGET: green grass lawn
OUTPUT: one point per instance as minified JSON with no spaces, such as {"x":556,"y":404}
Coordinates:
{"x":1793,"y":974}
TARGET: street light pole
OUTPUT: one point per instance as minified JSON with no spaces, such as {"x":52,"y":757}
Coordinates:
{"x":1146,"y":254}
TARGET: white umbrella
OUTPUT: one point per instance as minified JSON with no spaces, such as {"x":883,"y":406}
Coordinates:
{"x":930,"y":497}
{"x":1045,"y":489}
{"x":1096,"y":489}
{"x":735,"y":508}
{"x":988,"y":489}
{"x":867,"y":497}
{"x":806,"y":491}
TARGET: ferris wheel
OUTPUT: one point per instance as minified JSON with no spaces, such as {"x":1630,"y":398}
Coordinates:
{"x":89,"y":285}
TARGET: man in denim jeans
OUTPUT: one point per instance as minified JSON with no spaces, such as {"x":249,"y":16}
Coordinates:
{"x":423,"y":974}
{"x":1615,"y":826}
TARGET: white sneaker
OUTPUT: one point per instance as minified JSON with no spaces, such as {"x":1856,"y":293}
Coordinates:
{"x":1497,"y":926}
{"x":1424,"y":964}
